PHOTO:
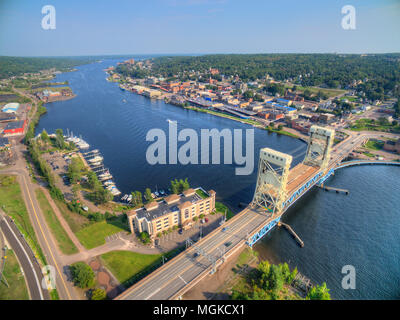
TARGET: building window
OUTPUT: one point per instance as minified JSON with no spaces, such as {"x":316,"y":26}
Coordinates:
{"x":186,"y":213}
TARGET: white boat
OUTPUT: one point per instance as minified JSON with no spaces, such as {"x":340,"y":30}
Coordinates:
{"x":129,"y":198}
{"x":156,"y":193}
{"x":108,"y":182}
{"x":105,"y":178}
{"x":124,"y":197}
{"x":95,"y":159}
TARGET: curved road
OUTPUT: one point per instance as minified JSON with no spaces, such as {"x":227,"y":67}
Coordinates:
{"x":26,"y":258}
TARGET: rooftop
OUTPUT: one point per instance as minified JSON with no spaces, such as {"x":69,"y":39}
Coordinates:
{"x":14,"y":125}
{"x":163,"y":207}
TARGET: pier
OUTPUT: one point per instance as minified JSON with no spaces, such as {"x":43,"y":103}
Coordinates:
{"x":338,"y":190}
{"x":294,"y":234}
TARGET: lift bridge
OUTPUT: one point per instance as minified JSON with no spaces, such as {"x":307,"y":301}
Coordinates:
{"x":279,"y":186}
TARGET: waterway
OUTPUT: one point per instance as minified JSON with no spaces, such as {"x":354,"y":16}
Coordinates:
{"x":360,"y":229}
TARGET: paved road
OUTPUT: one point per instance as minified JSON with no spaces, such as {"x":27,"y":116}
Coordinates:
{"x":46,"y":240}
{"x":173,"y":278}
{"x":26,"y":258}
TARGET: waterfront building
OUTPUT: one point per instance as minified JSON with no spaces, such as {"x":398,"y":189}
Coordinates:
{"x":174,"y":210}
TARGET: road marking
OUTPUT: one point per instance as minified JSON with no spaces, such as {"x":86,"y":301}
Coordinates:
{"x":152,"y":294}
{"x":45,"y":239}
{"x":30,"y":263}
{"x":182,"y":279}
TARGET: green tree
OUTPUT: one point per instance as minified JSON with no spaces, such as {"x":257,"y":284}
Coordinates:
{"x":44,"y":136}
{"x":98,"y":294}
{"x":144,"y":237}
{"x":319,"y":293}
{"x":82,"y":275}
{"x":147,"y":194}
{"x":75,"y":170}
{"x":60,"y":143}
{"x":275,"y":280}
{"x":137,"y":199}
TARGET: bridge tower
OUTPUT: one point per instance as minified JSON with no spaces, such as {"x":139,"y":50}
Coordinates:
{"x":273,"y":170}
{"x":319,"y":147}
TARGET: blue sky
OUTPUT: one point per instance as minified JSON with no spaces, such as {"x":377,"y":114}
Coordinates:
{"x":98,"y":27}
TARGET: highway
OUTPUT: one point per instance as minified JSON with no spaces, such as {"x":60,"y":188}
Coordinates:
{"x":184,"y":271}
{"x":26,"y":258}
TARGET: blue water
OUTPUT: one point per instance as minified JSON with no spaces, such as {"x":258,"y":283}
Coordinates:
{"x":360,"y":229}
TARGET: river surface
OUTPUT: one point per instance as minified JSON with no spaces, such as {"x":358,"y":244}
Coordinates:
{"x":360,"y":229}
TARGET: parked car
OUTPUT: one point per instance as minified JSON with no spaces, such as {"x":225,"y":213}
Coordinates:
{"x":206,"y":219}
{"x":227,"y":244}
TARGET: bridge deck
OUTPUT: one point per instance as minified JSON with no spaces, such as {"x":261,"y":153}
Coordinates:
{"x":298,"y":175}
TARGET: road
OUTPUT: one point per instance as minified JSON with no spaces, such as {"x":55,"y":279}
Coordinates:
{"x":185,"y":270}
{"x":26,"y":258}
{"x":46,"y":240}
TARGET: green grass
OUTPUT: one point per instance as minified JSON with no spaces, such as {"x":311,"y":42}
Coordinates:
{"x":12,"y":203}
{"x":94,"y":235}
{"x":374,"y":145}
{"x":63,"y":240}
{"x":75,"y":221}
{"x":329,"y":92}
{"x":282,"y":132}
{"x":54,"y":295}
{"x":220,"y":207}
{"x":125,"y":265}
{"x":371,"y":125}
{"x":368,"y":154}
{"x":245,"y":256}
{"x":202,"y":194}
{"x":15,"y":279}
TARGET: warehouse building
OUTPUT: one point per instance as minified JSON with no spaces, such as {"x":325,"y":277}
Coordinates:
{"x":174,"y":210}
{"x":11,"y":107}
{"x":14,"y":128}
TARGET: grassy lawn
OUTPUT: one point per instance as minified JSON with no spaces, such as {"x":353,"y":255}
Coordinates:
{"x":15,"y":279}
{"x":12,"y":203}
{"x":94,"y":235}
{"x":75,"y":221}
{"x":201,"y":193}
{"x":374,"y":145}
{"x":64,"y":242}
{"x":220,"y":207}
{"x":125,"y":265}
{"x":368,"y":154}
{"x":371,"y":125}
{"x":329,"y":92}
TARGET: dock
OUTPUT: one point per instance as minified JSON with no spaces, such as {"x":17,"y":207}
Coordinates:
{"x":337,"y":190}
{"x":294,"y":234}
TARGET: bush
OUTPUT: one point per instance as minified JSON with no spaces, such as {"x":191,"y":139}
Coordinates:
{"x":98,"y":294}
{"x":82,"y":275}
{"x":144,"y":237}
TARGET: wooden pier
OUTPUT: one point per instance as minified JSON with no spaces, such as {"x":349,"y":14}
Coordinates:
{"x":294,"y":234}
{"x":338,"y":190}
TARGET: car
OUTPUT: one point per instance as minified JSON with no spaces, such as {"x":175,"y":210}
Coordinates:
{"x":224,"y":229}
{"x":180,"y":231}
{"x":227,"y":244}
{"x":206,"y":220}
{"x":195,"y":255}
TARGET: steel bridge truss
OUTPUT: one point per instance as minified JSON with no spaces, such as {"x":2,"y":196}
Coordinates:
{"x":319,"y":147}
{"x":263,"y":231}
{"x":273,"y":170}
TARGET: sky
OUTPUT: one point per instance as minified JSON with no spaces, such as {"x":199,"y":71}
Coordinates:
{"x":100,"y":27}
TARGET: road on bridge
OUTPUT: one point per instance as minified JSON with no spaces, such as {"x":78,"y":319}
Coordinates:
{"x":184,"y":271}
